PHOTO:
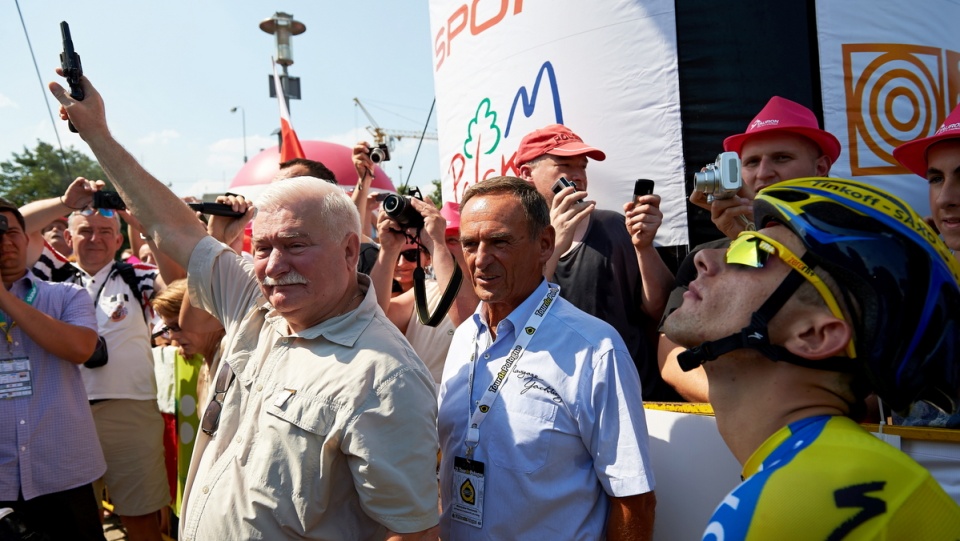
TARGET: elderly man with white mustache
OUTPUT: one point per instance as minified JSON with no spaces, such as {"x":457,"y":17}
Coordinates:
{"x":322,"y":422}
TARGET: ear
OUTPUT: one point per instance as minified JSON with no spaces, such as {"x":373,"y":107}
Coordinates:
{"x":525,"y":172}
{"x":68,"y":237}
{"x":351,"y":250}
{"x":547,"y":243}
{"x":823,"y":165}
{"x":817,"y":335}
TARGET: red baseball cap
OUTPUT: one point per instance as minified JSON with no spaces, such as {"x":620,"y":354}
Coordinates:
{"x":556,"y":140}
{"x":783,"y":115}
{"x":451,"y":213}
{"x":913,"y":155}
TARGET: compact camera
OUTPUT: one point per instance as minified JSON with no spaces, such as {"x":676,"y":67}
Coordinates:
{"x":379,"y":153}
{"x":402,"y":211}
{"x":562,"y":183}
{"x":721,"y":179}
{"x":108,"y":200}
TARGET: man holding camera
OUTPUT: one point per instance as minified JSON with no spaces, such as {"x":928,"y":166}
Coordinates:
{"x":542,"y":431}
{"x":50,"y":449}
{"x":841,"y":291}
{"x":602,"y":268}
{"x":322,"y":422}
{"x":123,"y":391}
{"x":783,"y":142}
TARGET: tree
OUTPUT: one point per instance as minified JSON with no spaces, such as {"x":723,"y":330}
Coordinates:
{"x":40,"y":173}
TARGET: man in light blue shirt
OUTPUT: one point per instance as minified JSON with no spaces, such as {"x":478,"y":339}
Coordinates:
{"x":541,"y":423}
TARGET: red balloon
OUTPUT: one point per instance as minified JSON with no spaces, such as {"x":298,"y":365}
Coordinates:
{"x":338,"y":158}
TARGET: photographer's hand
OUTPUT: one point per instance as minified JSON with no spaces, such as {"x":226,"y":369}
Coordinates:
{"x":434,"y":225}
{"x":567,"y":215}
{"x":643,"y":219}
{"x":732,"y":216}
{"x":79,"y":194}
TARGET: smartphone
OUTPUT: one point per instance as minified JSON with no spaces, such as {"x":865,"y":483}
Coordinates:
{"x":641,"y":187}
{"x":104,"y":199}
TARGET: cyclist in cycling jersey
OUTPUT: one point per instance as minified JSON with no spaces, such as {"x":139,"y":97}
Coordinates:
{"x":842,"y":290}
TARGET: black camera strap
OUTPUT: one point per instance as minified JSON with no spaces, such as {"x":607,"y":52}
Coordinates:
{"x":446,"y":300}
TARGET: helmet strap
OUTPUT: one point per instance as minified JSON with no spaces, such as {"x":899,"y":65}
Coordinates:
{"x":756,"y":336}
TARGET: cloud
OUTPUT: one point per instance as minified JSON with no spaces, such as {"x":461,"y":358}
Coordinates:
{"x":7,"y":102}
{"x":161,"y":137}
{"x":228,"y":153}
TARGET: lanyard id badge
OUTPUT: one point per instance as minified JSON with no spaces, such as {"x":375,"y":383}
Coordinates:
{"x":468,"y":474}
{"x":468,"y":492}
{"x":16,"y":377}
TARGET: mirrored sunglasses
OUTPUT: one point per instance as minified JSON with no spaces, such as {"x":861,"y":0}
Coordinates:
{"x":753,"y":249}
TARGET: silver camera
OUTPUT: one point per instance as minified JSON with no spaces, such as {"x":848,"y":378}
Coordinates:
{"x":721,"y":179}
{"x":380,"y":153}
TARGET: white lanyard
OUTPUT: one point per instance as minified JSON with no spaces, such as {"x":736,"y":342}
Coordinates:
{"x":509,"y":365}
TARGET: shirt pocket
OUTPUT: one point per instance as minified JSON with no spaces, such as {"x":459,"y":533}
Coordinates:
{"x":523,"y":442}
{"x":295,"y":429}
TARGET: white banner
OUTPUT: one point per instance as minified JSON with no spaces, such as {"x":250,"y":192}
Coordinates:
{"x":607,"y":70}
{"x":890,"y":73}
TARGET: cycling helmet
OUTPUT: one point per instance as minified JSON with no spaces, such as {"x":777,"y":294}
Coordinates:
{"x":898,"y":279}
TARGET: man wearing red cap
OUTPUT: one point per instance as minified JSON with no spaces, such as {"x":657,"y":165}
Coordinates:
{"x":600,"y":266}
{"x":783,"y":142}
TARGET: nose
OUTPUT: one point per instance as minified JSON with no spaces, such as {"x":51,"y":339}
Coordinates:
{"x":709,"y":262}
{"x":766,"y":170}
{"x":949,"y":195}
{"x":276,"y":265}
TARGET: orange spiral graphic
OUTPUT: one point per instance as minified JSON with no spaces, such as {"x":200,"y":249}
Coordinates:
{"x":895,"y":95}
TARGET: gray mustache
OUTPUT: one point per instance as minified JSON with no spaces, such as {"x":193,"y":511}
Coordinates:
{"x":291,"y":278}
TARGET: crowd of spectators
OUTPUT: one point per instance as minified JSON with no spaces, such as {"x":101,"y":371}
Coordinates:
{"x":280,"y":381}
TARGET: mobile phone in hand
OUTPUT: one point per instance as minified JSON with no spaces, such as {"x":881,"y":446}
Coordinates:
{"x":641,"y":187}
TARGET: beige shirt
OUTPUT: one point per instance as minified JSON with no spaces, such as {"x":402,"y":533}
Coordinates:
{"x":329,"y":433}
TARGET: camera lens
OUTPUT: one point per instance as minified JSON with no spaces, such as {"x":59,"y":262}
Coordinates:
{"x":705,"y":181}
{"x":376,"y":155}
{"x":399,"y":208}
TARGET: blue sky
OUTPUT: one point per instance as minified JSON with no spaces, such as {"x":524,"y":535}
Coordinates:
{"x":171,"y":71}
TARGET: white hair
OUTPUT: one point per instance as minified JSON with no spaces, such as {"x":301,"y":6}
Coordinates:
{"x":336,"y":213}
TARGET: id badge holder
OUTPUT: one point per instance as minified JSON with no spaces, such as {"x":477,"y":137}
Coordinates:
{"x":16,"y":377}
{"x":467,"y":491}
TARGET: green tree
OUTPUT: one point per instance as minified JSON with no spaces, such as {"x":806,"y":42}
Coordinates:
{"x":40,"y":173}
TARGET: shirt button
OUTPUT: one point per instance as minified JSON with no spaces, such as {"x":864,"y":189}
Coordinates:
{"x":23,"y":448}
{"x":22,"y":422}
{"x":205,"y":490}
{"x":486,"y":355}
{"x":238,"y":439}
{"x":259,"y":387}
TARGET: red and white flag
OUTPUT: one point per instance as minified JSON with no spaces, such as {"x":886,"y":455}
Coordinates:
{"x":290,"y":146}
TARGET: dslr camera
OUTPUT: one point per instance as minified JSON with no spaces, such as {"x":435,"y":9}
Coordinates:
{"x":379,"y":153}
{"x":399,"y":208}
{"x":721,"y":179}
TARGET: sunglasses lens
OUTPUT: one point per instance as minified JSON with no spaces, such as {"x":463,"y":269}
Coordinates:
{"x":409,"y":255}
{"x":744,"y":251}
{"x":106,"y":213}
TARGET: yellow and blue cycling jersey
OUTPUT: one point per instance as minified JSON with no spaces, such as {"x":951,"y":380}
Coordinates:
{"x":826,"y":477}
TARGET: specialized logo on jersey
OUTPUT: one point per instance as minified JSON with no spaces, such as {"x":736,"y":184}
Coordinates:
{"x":895,"y":93}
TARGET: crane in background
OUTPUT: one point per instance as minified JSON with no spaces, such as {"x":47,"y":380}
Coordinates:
{"x":390,"y":137}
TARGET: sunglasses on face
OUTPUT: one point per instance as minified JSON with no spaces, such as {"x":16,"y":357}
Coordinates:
{"x":166,"y":331}
{"x":753,"y":249}
{"x":410,"y":255}
{"x":106,"y":213}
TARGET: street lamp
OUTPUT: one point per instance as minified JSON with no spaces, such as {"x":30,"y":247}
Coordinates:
{"x":243,"y":119}
{"x":283,"y":26}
